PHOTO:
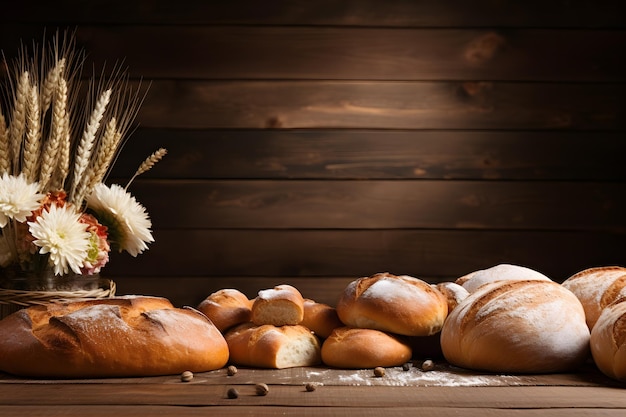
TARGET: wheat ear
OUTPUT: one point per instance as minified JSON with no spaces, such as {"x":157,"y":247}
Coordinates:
{"x":5,"y":161}
{"x":108,"y":147}
{"x":63,"y":166}
{"x":85,"y":147}
{"x":32,"y":145}
{"x":18,"y":121}
{"x":50,"y":85}
{"x":50,"y":152}
{"x":148,"y":164}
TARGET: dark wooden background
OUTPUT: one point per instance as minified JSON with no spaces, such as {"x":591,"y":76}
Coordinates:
{"x":314,"y":142}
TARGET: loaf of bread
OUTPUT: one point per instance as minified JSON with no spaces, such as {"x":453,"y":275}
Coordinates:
{"x":502,"y":272}
{"x":517,"y":326}
{"x":269,"y":346}
{"x":398,"y":304}
{"x":278,"y":306}
{"x":354,"y":348}
{"x":596,"y":288}
{"x":453,"y":292}
{"x":320,"y":318}
{"x":608,"y":340}
{"x":117,"y":337}
{"x":226,"y":308}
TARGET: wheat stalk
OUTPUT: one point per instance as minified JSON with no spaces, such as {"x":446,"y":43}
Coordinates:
{"x":18,"y":121}
{"x":108,"y":147}
{"x":148,"y":164}
{"x":50,"y":85}
{"x":32,"y":145}
{"x":85,"y":147}
{"x":5,"y":161}
{"x":51,"y":150}
{"x":63,"y":166}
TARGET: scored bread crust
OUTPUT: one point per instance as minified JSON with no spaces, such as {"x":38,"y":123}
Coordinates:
{"x":517,"y":326}
{"x":278,"y":306}
{"x":354,"y":348}
{"x":398,"y":304}
{"x":123,"y":336}
{"x":501,"y":272}
{"x":608,"y":340}
{"x":226,"y":308}
{"x":269,"y":346}
{"x":596,"y":288}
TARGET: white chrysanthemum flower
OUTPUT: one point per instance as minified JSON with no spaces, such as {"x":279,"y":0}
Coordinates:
{"x":127,"y":221}
{"x":59,"y":232}
{"x":18,"y":198}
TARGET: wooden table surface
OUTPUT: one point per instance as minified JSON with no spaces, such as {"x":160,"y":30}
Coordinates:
{"x":445,"y":391}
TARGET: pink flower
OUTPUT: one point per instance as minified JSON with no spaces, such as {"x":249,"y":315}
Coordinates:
{"x":98,"y":251}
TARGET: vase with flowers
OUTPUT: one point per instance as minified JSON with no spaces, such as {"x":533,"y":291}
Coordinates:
{"x":59,"y":218}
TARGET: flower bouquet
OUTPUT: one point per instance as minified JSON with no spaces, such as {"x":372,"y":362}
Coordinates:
{"x":58,"y":218}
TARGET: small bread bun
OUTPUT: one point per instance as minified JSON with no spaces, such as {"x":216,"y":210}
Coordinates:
{"x":596,"y":288}
{"x":517,"y":326}
{"x":453,"y":292}
{"x":269,"y":346}
{"x":502,"y":272}
{"x":116,"y":337}
{"x":354,"y":348}
{"x":608,"y":340}
{"x":279,"y":306}
{"x":226,"y":308}
{"x":320,"y":318}
{"x":391,"y":303}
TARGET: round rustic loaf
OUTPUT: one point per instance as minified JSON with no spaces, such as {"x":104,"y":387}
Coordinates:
{"x":596,"y":288}
{"x":354,"y":348}
{"x":278,"y":306}
{"x":398,"y":304}
{"x":517,"y":326}
{"x":453,"y":292}
{"x":269,"y":346}
{"x":320,"y":318}
{"x":226,"y":308}
{"x":608,"y":340}
{"x":502,"y":272}
{"x":123,"y":336}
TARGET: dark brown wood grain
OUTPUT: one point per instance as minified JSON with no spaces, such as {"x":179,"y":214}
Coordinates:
{"x":340,"y":53}
{"x":377,"y":154}
{"x":534,"y":13}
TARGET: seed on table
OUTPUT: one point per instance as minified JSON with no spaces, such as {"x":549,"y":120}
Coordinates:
{"x":231,"y":370}
{"x":261,"y":389}
{"x":379,"y":371}
{"x":428,"y":365}
{"x":186,"y":376}
{"x":232,"y":393}
{"x":406,"y":366}
{"x":311,"y":386}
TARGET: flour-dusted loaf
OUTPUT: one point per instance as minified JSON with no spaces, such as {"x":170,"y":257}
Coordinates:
{"x":269,"y":346}
{"x":517,"y":326}
{"x":226,"y":308}
{"x":354,"y":348}
{"x":123,"y":336}
{"x":596,"y":288}
{"x":608,"y":340}
{"x":502,"y":272}
{"x":278,"y":306}
{"x":393,"y":303}
{"x":320,"y":318}
{"x":453,"y":292}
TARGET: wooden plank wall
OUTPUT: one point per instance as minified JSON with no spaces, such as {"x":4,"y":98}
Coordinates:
{"x":314,"y":142}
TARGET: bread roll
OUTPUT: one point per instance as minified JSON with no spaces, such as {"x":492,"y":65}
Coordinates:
{"x":115,"y":337}
{"x":453,"y":292}
{"x":608,"y":340}
{"x":396,"y":304}
{"x":269,"y":346}
{"x":279,"y":306}
{"x":320,"y":318}
{"x":226,"y":308}
{"x":502,"y":272}
{"x":354,"y":348}
{"x":596,"y":288}
{"x":517,"y":326}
